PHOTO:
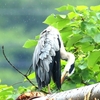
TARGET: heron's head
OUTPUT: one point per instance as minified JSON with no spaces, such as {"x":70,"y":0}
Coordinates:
{"x":71,"y":70}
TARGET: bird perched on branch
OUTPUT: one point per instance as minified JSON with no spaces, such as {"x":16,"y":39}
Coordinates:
{"x":46,"y":59}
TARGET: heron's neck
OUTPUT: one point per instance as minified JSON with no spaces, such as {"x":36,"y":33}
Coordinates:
{"x":70,"y":58}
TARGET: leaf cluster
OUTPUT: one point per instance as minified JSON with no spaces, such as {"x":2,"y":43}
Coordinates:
{"x":80,"y":30}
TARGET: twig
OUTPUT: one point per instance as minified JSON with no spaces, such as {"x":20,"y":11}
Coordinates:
{"x":10,"y":62}
{"x":19,"y":70}
{"x":29,"y":70}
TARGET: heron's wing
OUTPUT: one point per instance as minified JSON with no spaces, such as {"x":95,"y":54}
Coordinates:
{"x":45,"y":57}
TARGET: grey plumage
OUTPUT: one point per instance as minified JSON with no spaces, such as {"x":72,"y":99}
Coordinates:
{"x":44,"y":57}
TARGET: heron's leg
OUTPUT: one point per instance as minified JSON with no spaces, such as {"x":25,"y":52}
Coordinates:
{"x":49,"y":91}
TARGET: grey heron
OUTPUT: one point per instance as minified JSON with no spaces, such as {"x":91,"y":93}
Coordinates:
{"x":46,"y":58}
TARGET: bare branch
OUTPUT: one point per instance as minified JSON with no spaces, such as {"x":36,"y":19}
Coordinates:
{"x":10,"y":62}
{"x":19,"y":70}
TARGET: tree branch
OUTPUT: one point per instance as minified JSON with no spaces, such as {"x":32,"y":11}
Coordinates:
{"x":19,"y":70}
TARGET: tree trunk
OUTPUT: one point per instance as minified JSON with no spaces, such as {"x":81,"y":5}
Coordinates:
{"x":91,"y":92}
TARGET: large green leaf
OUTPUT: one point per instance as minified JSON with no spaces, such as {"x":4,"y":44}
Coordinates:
{"x":87,"y":47}
{"x":30,"y":43}
{"x":50,"y":19}
{"x":93,"y":58}
{"x":73,"y":39}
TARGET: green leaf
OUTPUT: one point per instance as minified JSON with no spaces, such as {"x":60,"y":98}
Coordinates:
{"x":62,"y":8}
{"x":73,"y":39}
{"x":87,"y":47}
{"x":96,"y":68}
{"x":71,"y":8}
{"x":72,"y":15}
{"x":86,"y":39}
{"x":61,"y":24}
{"x":65,"y":33}
{"x":76,"y":78}
{"x":82,"y":66}
{"x":98,"y":15}
{"x":80,"y":85}
{"x":81,"y":8}
{"x":83,"y":25}
{"x":31,"y":76}
{"x":67,"y":86}
{"x":6,"y":90}
{"x":30,"y":43}
{"x":98,"y":77}
{"x":37,"y":37}
{"x":97,"y":38}
{"x":95,"y":8}
{"x":63,"y":62}
{"x":87,"y":74}
{"x":50,"y":19}
{"x":93,"y":58}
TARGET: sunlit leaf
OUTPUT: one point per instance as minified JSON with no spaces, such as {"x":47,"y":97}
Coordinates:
{"x":72,"y":15}
{"x":63,"y":16}
{"x":96,"y":68}
{"x":31,"y":76}
{"x":50,"y":19}
{"x":81,"y":8}
{"x":63,"y":62}
{"x":30,"y":43}
{"x":95,"y":8}
{"x":80,"y":85}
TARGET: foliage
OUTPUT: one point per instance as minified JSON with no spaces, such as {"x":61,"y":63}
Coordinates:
{"x":9,"y":93}
{"x":80,"y":31}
